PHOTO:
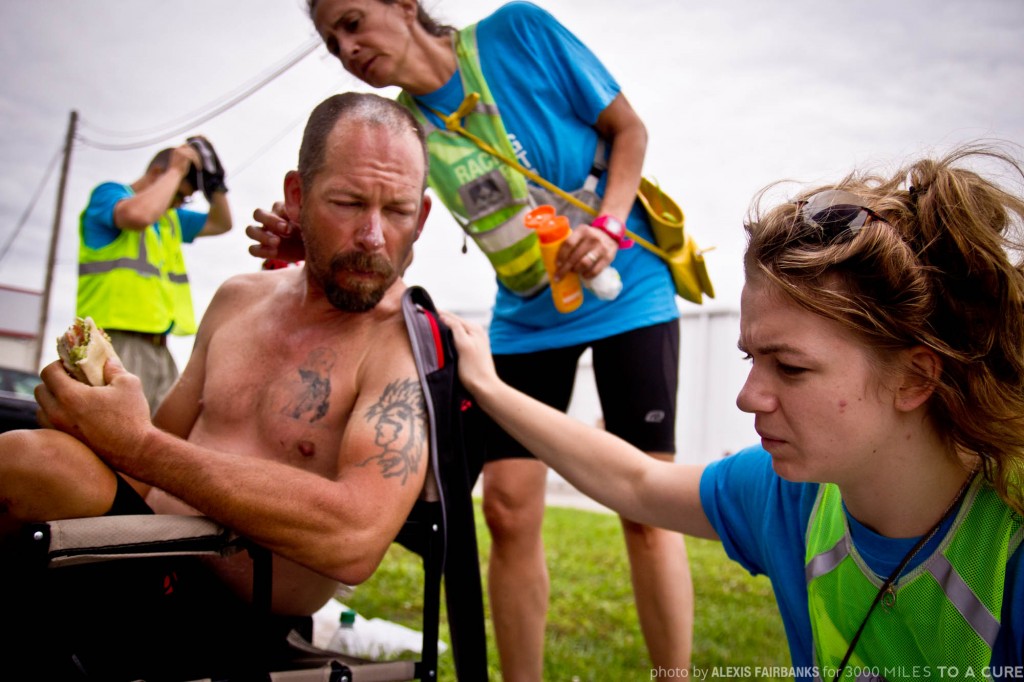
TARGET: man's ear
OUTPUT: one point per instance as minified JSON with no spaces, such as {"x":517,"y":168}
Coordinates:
{"x":424,"y":212}
{"x":921,"y":371}
{"x":293,"y":196}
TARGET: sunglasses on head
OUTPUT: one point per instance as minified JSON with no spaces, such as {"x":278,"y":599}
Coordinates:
{"x":837,"y":215}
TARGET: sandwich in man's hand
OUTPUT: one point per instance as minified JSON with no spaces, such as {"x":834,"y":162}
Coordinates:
{"x":84,"y":348}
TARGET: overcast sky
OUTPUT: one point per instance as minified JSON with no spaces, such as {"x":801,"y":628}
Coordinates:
{"x":735,"y":94}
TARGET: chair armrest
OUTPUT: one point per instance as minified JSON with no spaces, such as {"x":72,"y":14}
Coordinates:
{"x":69,"y":542}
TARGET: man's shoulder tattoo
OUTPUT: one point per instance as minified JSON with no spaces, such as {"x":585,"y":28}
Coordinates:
{"x":399,"y":419}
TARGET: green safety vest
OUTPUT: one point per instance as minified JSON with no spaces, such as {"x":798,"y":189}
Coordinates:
{"x":486,"y":197}
{"x":947,"y":609}
{"x":137,"y":282}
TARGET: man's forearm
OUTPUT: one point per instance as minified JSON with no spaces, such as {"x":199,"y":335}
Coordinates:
{"x":300,"y":515}
{"x":145,"y":208}
{"x":218,"y":221}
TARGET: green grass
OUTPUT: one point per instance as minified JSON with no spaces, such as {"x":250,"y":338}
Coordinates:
{"x":593,"y":632}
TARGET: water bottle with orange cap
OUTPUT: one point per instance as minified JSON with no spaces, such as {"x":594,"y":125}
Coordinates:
{"x":552,"y":230}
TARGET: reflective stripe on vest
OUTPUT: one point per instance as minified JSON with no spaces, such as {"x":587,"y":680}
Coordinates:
{"x":947,"y":609}
{"x":139,"y":264}
{"x":487,"y":198}
{"x":138,"y":282}
{"x":177,"y":276}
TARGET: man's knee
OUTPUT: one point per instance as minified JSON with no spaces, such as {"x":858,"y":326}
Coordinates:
{"x":21,"y":453}
{"x":47,"y":474}
{"x":40,"y":451}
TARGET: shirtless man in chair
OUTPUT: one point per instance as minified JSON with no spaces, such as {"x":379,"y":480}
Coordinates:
{"x":274,"y":428}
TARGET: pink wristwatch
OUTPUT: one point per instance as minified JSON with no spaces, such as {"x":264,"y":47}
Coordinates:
{"x":614,"y":228}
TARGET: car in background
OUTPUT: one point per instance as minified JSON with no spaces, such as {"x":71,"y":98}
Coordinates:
{"x":17,"y":401}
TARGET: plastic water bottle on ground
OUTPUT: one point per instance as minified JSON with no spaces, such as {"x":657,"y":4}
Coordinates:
{"x":346,"y":640}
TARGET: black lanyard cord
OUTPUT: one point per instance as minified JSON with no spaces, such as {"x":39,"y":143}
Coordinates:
{"x":895,"y":575}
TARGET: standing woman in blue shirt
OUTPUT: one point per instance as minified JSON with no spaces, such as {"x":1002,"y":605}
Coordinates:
{"x":884,"y":318}
{"x":550,"y":103}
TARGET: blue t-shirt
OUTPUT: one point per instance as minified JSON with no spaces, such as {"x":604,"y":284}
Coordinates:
{"x":99,"y":230}
{"x":550,"y":90}
{"x":762,"y":521}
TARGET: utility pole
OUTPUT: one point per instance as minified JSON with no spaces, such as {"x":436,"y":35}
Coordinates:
{"x":44,"y":309}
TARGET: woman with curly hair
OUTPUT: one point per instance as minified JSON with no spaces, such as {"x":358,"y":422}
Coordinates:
{"x":884,"y":320}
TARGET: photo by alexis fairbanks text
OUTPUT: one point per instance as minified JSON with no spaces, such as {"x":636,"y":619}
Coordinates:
{"x":860,"y":673}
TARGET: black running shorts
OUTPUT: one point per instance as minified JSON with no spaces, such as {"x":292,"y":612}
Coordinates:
{"x":637,"y":376}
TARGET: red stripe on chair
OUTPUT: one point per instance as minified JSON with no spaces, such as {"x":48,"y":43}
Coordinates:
{"x":436,"y":330}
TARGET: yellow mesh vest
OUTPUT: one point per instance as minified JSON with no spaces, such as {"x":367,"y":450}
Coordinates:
{"x":177,"y":276}
{"x":137,"y":282}
{"x":485,"y":196}
{"x":947,"y":609}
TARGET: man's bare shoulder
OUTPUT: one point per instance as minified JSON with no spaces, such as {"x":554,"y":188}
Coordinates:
{"x":252,"y":285}
{"x":239,"y":295}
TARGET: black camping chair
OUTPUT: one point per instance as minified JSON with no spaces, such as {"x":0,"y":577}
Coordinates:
{"x":440,"y":529}
{"x":17,"y":411}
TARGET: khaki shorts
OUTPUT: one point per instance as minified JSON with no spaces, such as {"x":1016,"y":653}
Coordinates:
{"x":152,"y":363}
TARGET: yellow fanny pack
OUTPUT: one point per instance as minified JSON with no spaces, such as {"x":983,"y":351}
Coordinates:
{"x":677,"y":248}
{"x":673,"y":245}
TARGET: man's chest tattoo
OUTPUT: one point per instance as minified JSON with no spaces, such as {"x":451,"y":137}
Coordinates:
{"x":311,"y":396}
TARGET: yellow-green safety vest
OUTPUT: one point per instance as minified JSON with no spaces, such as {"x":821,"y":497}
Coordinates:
{"x":947,"y":609}
{"x":138,"y":282}
{"x":486,"y":197}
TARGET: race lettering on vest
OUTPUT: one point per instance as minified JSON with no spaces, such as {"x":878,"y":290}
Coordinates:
{"x":487,"y":198}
